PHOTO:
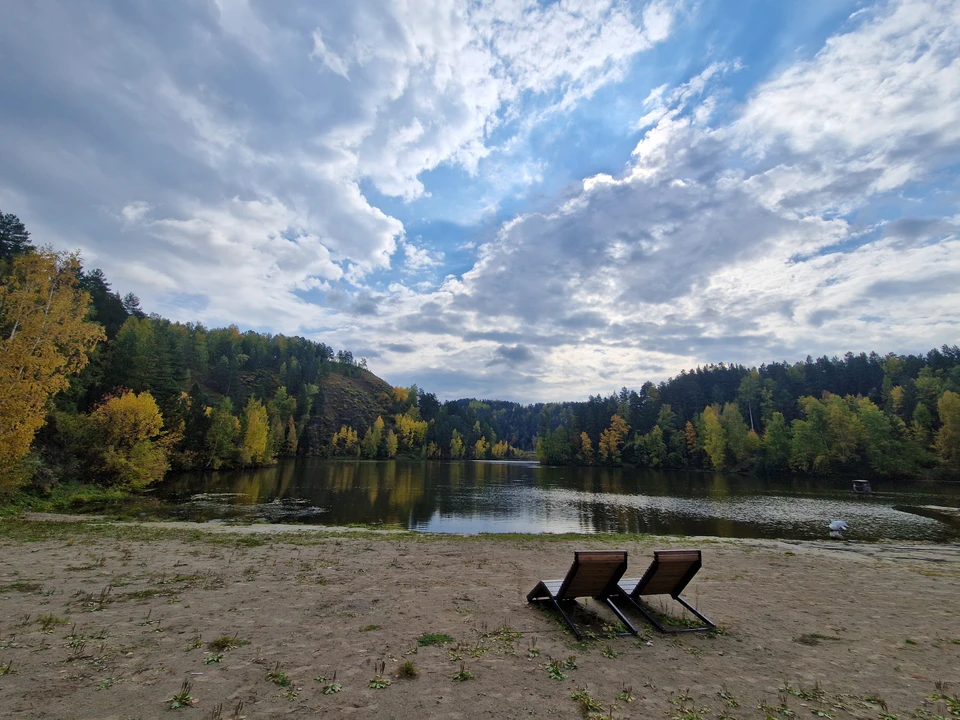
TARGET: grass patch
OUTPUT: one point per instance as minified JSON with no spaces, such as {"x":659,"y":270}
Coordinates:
{"x":407,"y":670}
{"x":226,"y":642}
{"x":48,"y":622}
{"x":815,"y":638}
{"x":279,"y":677}
{"x":428,"y":639}
{"x":369,"y":628}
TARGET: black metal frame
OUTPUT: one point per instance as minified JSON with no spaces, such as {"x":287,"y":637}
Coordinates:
{"x":612,"y":588}
{"x":633,"y":596}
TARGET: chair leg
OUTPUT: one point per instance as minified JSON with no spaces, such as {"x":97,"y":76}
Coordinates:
{"x":565,"y":617}
{"x":631,"y":630}
{"x":696,"y":612}
{"x":640,"y":609}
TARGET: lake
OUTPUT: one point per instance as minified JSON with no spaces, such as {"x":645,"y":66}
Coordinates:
{"x":499,"y":497}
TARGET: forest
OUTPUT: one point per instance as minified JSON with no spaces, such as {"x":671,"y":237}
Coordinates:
{"x":97,"y":390}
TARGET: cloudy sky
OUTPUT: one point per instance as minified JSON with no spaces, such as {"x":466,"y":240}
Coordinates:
{"x":516,"y":199}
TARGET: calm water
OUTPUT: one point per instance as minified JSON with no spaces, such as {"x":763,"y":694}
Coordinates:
{"x":525,"y":497}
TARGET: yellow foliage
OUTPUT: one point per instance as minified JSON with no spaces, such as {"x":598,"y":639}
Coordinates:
{"x":480,"y":448}
{"x":412,"y":432}
{"x":345,"y":441}
{"x":586,"y":448}
{"x":456,"y":446}
{"x":611,"y":440}
{"x":254,"y":448}
{"x":948,"y":438}
{"x":391,"y":444}
{"x":44,"y":338}
{"x":128,"y":427}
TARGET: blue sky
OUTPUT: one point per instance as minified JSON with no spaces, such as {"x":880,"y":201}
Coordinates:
{"x":521,"y":200}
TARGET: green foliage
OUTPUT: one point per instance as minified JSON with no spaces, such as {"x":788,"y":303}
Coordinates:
{"x":428,"y":639}
{"x":407,"y":670}
{"x":279,"y":677}
{"x":254,"y":425}
{"x":129,"y":452}
{"x":182,"y":698}
{"x":463,"y":674}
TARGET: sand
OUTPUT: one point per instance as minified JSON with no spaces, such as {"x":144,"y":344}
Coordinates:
{"x":107,"y":621}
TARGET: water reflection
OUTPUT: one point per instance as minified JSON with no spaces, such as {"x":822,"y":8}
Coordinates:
{"x":525,"y":497}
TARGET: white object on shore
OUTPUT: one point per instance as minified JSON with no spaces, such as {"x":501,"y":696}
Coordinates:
{"x":836,"y":527}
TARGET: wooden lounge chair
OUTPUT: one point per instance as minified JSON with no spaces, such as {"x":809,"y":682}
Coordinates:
{"x":668,"y":574}
{"x":593,"y":574}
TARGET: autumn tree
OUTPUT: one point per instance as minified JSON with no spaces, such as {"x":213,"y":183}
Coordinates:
{"x":480,"y":448}
{"x":255,"y":434}
{"x":126,"y":432}
{"x":392,"y":444}
{"x":220,"y":446}
{"x":456,"y":446}
{"x":345,"y":441}
{"x":585,"y":455}
{"x":44,"y":338}
{"x":948,"y":438}
{"x":411,"y":431}
{"x":829,"y":435}
{"x":714,"y":438}
{"x":611,"y":440}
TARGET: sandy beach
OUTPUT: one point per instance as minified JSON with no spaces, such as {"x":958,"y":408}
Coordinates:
{"x":108,"y":620}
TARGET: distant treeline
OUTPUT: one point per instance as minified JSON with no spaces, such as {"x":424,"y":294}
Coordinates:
{"x":860,"y":414}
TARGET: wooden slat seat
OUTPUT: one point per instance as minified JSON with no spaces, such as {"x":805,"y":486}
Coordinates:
{"x":593,"y":574}
{"x":669,"y":573}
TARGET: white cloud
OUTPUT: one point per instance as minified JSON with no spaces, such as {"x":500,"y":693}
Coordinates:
{"x":721,"y":243}
{"x":878,"y":104}
{"x":330,"y":59}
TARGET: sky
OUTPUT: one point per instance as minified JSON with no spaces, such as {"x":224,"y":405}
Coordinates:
{"x":522,"y":200}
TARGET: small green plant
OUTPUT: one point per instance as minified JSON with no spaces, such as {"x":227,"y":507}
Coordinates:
{"x":686,"y":707}
{"x":182,"y":698}
{"x":532,"y":650}
{"x":555,"y":669}
{"x":407,"y":670}
{"x":105,"y":683}
{"x":378,"y":681}
{"x":728,"y":697}
{"x":49,"y":622}
{"x":626,"y":695}
{"x":332,"y":687}
{"x":428,"y":639}
{"x":611,"y":631}
{"x":609,"y":652}
{"x":279,"y":677}
{"x":587,"y":704}
{"x":225,"y":642}
{"x":213,"y":658}
{"x":815,"y":693}
{"x":369,"y":628}
{"x":463,"y":674}
{"x":7,"y":668}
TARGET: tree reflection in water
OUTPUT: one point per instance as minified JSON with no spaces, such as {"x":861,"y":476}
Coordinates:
{"x":472,"y":497}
